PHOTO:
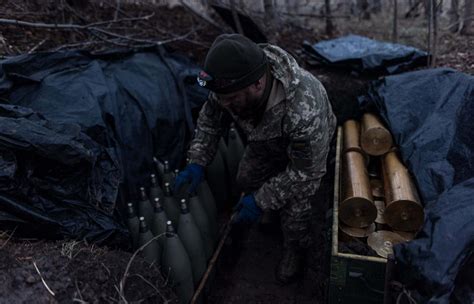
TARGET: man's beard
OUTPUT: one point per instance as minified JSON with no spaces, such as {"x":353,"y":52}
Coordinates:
{"x":250,"y":109}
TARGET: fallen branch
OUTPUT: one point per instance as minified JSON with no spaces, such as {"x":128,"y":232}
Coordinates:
{"x":88,"y":27}
{"x":42,"y":280}
{"x":147,"y":17}
{"x":36,"y":46}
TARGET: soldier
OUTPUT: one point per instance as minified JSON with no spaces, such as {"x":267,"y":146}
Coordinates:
{"x":289,"y":123}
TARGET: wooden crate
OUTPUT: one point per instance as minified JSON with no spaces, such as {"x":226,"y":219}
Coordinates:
{"x":353,"y":278}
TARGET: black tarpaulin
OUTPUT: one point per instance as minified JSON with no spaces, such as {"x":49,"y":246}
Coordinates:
{"x":77,"y":127}
{"x":430,"y":114}
{"x":364,"y":55}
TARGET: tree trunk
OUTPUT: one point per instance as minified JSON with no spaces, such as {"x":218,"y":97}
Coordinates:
{"x":363,"y":8}
{"x":434,"y":16}
{"x":270,"y":20}
{"x":235,"y":17}
{"x":269,"y":13}
{"x":427,"y":6}
{"x":377,"y":6}
{"x":430,"y":27}
{"x":468,"y":17}
{"x":329,"y":25}
{"x":395,"y":21}
{"x":453,"y":14}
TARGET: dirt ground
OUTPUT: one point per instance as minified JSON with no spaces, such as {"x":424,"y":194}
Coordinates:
{"x":246,"y":271}
{"x":81,"y":273}
{"x":75,"y":272}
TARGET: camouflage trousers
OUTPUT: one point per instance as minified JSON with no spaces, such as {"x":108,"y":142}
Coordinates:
{"x":262,"y":161}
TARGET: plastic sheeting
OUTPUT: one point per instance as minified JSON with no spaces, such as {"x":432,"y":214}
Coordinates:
{"x":76,"y":128}
{"x":430,"y":114}
{"x":364,"y":55}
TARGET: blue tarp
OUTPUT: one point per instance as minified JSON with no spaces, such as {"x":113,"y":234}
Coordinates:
{"x":364,"y":55}
{"x":75,"y":128}
{"x":430,"y":114}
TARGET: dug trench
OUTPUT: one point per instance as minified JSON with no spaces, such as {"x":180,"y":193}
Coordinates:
{"x":245,"y":272}
{"x":72,"y":271}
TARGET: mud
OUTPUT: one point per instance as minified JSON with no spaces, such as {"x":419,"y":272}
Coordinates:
{"x":75,"y":272}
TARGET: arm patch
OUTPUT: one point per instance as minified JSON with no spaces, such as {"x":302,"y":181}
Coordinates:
{"x":301,"y":153}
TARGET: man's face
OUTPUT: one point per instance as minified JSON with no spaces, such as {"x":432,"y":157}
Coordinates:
{"x":242,"y":103}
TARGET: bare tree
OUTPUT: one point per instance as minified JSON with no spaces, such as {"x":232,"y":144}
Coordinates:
{"x":434,"y":16}
{"x":269,"y":14}
{"x":433,"y":31}
{"x":453,"y":14}
{"x":376,"y":6}
{"x":468,"y":17}
{"x":363,"y":8}
{"x":329,"y":25}
{"x":427,"y":6}
{"x":235,"y":17}
{"x":395,"y":21}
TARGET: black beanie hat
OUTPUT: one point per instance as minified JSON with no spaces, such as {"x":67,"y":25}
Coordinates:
{"x":232,"y":63}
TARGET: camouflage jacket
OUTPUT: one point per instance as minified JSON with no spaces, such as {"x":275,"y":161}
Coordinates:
{"x":304,"y":117}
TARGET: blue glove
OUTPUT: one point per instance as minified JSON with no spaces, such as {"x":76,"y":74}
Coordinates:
{"x":249,"y":211}
{"x":193,"y":175}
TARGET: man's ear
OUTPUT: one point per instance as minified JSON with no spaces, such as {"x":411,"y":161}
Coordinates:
{"x":259,"y":84}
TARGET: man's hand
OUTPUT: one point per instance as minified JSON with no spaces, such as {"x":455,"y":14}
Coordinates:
{"x":249,"y":212}
{"x":193,"y":175}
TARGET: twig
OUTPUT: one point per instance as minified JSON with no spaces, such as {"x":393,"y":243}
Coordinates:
{"x":108,"y":270}
{"x":456,"y":23}
{"x":150,"y":284}
{"x":36,"y":46}
{"x":42,"y":280}
{"x":292,"y":14}
{"x":121,"y":295}
{"x":9,"y":237}
{"x":122,"y":20}
{"x":76,"y":45}
{"x":125,"y":274}
{"x":78,"y":291}
{"x":94,"y":30}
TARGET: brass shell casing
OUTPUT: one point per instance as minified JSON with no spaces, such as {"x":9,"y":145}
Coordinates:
{"x":403,"y":210}
{"x":351,"y":232}
{"x":382,"y":242}
{"x":376,"y":186}
{"x":356,"y":208}
{"x":375,"y":139}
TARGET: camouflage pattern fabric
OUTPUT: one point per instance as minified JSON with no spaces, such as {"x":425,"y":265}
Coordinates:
{"x":286,"y":154}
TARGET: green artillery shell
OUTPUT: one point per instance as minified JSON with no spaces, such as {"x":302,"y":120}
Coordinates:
{"x":177,"y":266}
{"x":132,"y":224}
{"x":158,"y":226}
{"x":191,"y":238}
{"x":202,"y":221}
{"x":144,"y":207}
{"x":155,"y":190}
{"x":151,"y":252}
{"x":171,"y":206}
{"x":207,"y":199}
